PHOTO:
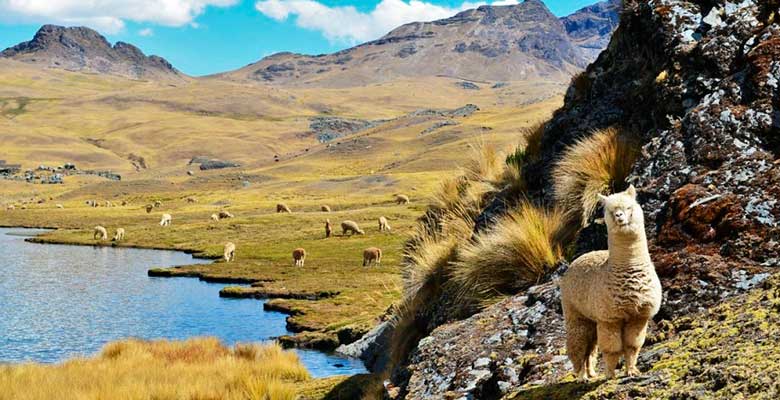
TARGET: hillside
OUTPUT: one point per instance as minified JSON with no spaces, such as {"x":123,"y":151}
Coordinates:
{"x":490,"y":43}
{"x":84,"y":50}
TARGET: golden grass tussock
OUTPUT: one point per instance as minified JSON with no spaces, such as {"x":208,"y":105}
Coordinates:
{"x":201,"y":368}
{"x":519,"y":250}
{"x":526,"y":152}
{"x":486,"y":163}
{"x":597,"y":164}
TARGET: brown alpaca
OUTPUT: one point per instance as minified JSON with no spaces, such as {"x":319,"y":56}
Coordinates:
{"x":299,"y":257}
{"x":282,"y":208}
{"x":608,"y":297}
{"x":372,"y":254}
{"x":328,"y":228}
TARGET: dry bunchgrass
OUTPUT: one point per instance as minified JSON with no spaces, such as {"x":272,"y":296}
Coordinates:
{"x":485,"y":164}
{"x":516,"y":253}
{"x":596,"y":164}
{"x":200,"y":368}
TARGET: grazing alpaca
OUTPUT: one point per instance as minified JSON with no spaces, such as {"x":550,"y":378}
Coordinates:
{"x":11,"y":207}
{"x":191,"y":200}
{"x":282,"y":208}
{"x":149,"y":208}
{"x":157,"y":204}
{"x":100,"y":233}
{"x":383,"y":225}
{"x":299,"y":256}
{"x":328,"y":228}
{"x":352,"y":227}
{"x":214,"y":217}
{"x":166,"y":220}
{"x":119,"y":235}
{"x":224,"y":214}
{"x":372,"y":254}
{"x":401,"y":199}
{"x":608,"y":297}
{"x":60,"y":206}
{"x":230,"y":252}
{"x":325,"y":208}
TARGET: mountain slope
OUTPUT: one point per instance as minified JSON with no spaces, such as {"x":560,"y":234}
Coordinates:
{"x":83,"y":49}
{"x":494,"y":43}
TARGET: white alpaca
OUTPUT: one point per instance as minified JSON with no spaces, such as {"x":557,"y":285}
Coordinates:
{"x":100,"y":233}
{"x":214,"y":217}
{"x":383,"y":225}
{"x":119,"y":235}
{"x":608,"y":297}
{"x":230,"y":252}
{"x":166,"y":220}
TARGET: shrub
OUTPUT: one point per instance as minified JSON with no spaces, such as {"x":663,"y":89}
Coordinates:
{"x":516,"y":253}
{"x":486,"y":163}
{"x":596,"y":164}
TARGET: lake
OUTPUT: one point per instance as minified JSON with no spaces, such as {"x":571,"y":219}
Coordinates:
{"x":59,"y":301}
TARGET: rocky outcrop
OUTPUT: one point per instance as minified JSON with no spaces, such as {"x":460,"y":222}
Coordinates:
{"x":371,"y":348}
{"x":83,"y":49}
{"x":495,"y":43}
{"x":696,"y":82}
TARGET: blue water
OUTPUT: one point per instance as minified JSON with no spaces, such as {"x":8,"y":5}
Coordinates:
{"x":57,"y":302}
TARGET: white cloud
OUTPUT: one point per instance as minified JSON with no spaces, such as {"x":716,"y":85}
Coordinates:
{"x":347,"y":24}
{"x":108,"y":16}
{"x":146,"y":32}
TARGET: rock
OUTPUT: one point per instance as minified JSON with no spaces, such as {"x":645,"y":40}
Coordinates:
{"x":372,"y":348}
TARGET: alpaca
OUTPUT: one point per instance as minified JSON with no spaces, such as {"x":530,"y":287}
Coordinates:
{"x":401,"y":199}
{"x":100,"y":233}
{"x":59,"y":206}
{"x":383,"y":225}
{"x":11,"y":207}
{"x":299,"y":256}
{"x":166,"y":220}
{"x":352,"y":227}
{"x":123,"y":203}
{"x":191,"y":200}
{"x":282,"y":208}
{"x":224,"y":214}
{"x":214,"y":217}
{"x":372,"y":254}
{"x":119,"y":235}
{"x":157,"y":204}
{"x":149,"y":208}
{"x":230,"y":252}
{"x":108,"y":204}
{"x":328,"y":228}
{"x":609,"y":296}
{"x":325,"y":208}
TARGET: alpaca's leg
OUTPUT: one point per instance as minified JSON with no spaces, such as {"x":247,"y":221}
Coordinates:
{"x":578,"y":330}
{"x":610,"y":341}
{"x":634,"y":333}
{"x":592,"y":360}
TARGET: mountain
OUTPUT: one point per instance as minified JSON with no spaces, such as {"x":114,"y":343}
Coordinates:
{"x":83,"y":49}
{"x":494,"y":43}
{"x":591,"y":27}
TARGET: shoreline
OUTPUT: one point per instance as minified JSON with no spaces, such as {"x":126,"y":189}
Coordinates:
{"x":302,"y":336}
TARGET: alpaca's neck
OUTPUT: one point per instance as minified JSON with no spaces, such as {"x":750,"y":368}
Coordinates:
{"x":628,"y":252}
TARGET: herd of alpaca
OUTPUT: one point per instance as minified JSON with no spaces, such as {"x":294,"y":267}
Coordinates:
{"x":609,"y":296}
{"x":371,"y":255}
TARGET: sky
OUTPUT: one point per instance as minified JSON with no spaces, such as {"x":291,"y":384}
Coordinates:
{"x":201,"y":37}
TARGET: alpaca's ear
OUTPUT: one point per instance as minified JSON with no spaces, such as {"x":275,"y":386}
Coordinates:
{"x":631,"y":191}
{"x":603,"y":199}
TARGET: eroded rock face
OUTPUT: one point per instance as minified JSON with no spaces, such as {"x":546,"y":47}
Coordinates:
{"x":83,"y":49}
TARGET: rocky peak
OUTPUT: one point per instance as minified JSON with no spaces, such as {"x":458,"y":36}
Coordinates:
{"x":83,"y":49}
{"x":496,"y":43}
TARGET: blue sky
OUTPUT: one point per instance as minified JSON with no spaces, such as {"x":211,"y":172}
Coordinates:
{"x":202,"y":37}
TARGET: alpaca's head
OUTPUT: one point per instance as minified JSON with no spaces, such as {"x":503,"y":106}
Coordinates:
{"x":622,"y":213}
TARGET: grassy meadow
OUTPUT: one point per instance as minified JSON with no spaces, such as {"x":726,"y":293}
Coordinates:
{"x":52,"y":117}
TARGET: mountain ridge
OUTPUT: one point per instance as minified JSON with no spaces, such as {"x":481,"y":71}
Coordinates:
{"x":85,"y":50}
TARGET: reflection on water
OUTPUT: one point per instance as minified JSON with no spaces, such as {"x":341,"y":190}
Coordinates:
{"x":60,"y":301}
